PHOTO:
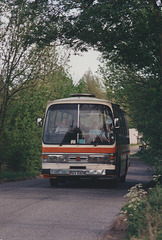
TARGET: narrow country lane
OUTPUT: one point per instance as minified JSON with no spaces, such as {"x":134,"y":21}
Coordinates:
{"x":32,"y":210}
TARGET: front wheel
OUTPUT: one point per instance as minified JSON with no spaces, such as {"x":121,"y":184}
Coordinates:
{"x":123,"y":178}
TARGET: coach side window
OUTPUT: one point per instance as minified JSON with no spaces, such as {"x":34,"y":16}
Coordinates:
{"x":121,"y":129}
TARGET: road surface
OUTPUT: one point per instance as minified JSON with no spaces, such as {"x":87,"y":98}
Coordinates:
{"x":32,"y":210}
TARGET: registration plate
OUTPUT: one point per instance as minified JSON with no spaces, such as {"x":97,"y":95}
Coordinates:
{"x":76,"y":173}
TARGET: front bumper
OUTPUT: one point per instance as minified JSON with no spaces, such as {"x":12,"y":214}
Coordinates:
{"x":78,"y":172}
{"x":80,"y":165}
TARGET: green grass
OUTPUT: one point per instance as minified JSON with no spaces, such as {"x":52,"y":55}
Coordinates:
{"x":14,"y":176}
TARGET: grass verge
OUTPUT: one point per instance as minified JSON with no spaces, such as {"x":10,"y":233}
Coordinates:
{"x":8,"y":176}
{"x":143,"y":212}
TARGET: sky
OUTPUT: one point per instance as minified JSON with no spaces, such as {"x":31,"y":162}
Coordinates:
{"x":82,"y":63}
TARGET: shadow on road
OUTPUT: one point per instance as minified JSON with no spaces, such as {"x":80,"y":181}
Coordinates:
{"x":138,"y":173}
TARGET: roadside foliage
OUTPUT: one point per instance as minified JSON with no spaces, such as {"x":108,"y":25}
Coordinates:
{"x":127,"y":34}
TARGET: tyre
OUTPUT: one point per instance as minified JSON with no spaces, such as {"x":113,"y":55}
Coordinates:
{"x":122,"y":178}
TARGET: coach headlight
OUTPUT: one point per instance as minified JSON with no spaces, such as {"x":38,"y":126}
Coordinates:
{"x":102,"y":158}
{"x":55,"y":158}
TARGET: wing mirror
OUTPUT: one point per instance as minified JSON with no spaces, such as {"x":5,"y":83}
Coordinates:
{"x":39,"y":122}
{"x":116,"y":123}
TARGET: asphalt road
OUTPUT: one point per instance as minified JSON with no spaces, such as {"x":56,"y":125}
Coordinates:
{"x":32,"y":210}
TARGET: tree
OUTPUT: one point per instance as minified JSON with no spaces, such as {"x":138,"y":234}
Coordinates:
{"x":81,"y":87}
{"x":138,"y":95}
{"x":94,"y":84}
{"x":21,"y":46}
{"x":129,"y":34}
{"x":30,"y":75}
{"x":90,"y":83}
{"x":21,"y":145}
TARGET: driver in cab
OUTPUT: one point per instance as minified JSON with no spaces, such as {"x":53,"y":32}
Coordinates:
{"x":63,"y":126}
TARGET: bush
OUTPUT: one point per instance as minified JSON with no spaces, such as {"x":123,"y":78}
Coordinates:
{"x":154,"y":159}
{"x":14,"y":176}
{"x":144,"y":213}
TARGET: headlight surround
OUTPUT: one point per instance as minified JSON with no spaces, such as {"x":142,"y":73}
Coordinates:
{"x":102,"y":158}
{"x":73,"y":158}
{"x":55,"y":158}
